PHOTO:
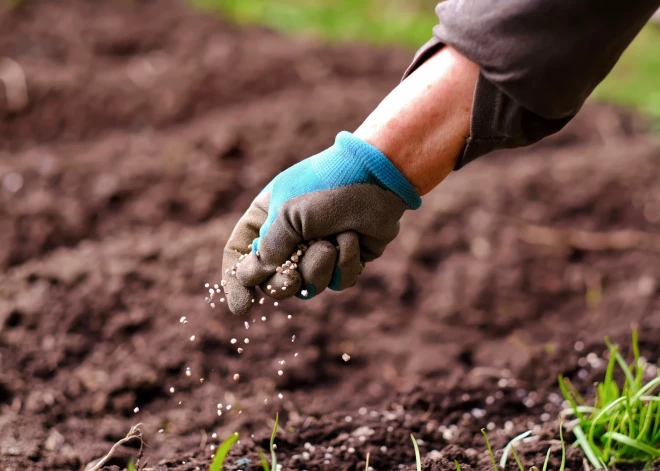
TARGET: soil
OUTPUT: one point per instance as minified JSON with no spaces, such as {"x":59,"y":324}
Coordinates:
{"x":149,"y":129}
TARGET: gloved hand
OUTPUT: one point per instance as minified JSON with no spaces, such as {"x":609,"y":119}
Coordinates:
{"x":316,"y":225}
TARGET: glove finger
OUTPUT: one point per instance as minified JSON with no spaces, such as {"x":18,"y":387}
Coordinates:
{"x":316,"y":267}
{"x":282,"y":285}
{"x":240,"y":297}
{"x":348,"y":266}
{"x":271,"y":250}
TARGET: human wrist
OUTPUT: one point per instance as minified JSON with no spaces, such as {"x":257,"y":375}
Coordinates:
{"x":379,"y":166}
{"x":423,"y":124}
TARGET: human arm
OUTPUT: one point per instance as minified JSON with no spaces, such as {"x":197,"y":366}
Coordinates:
{"x":348,"y":199}
{"x":504,"y":88}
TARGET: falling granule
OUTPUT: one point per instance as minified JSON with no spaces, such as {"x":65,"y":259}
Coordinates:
{"x":136,"y":410}
{"x":211,"y":291}
{"x":233,"y":341}
{"x":289,"y":316}
{"x":223,"y":283}
{"x":304,"y":292}
{"x":276,"y":304}
{"x":293,"y":338}
{"x":280,"y":395}
{"x":206,"y":285}
{"x":281,"y":362}
{"x":236,"y":377}
{"x":222,"y":300}
{"x":212,"y":447}
{"x":188,"y":373}
{"x":263,"y":318}
{"x":247,"y":325}
{"x":192,"y":338}
{"x":215,"y":435}
{"x":161,"y":430}
{"x":183,"y":320}
{"x":280,"y":372}
{"x":265,"y":401}
{"x":261,"y":301}
{"x":220,"y":405}
{"x":246,"y":340}
{"x":269,"y":287}
{"x":240,"y":350}
{"x":295,"y":354}
{"x":201,"y":380}
{"x":172,"y":390}
{"x":180,"y":402}
{"x":272,"y":291}
{"x":228,"y":407}
{"x":212,"y":305}
{"x":346,"y":357}
{"x":219,"y":412}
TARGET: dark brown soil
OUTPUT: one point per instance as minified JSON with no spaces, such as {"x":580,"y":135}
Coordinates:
{"x":151,"y":127}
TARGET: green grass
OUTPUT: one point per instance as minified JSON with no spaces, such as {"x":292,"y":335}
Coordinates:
{"x":510,"y":448}
{"x":376,"y":21}
{"x":623,"y":424}
{"x":221,"y":454}
{"x":273,"y":456}
{"x":418,"y":458}
{"x":633,"y":82}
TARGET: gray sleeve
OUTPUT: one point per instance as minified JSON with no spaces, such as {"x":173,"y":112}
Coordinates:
{"x":539,"y":60}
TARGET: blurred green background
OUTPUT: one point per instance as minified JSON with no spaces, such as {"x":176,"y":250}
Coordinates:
{"x":635,"y":81}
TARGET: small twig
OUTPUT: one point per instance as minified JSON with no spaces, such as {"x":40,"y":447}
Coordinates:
{"x":625,"y":239}
{"x":134,"y":432}
{"x":202,"y":443}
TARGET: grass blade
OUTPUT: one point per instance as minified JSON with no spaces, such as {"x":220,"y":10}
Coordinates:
{"x":563,"y":449}
{"x":650,"y":386}
{"x":619,"y":437}
{"x":457,"y":466}
{"x":366,"y":464}
{"x":490,"y":450}
{"x":563,"y":386}
{"x":418,"y":459}
{"x":264,"y":463}
{"x":221,"y":454}
{"x":630,"y":378}
{"x":515,"y":457}
{"x":509,"y":446}
{"x":273,"y":456}
{"x":586,"y":448}
{"x":547,"y":460}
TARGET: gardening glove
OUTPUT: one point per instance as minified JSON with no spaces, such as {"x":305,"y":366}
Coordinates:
{"x":316,"y":225}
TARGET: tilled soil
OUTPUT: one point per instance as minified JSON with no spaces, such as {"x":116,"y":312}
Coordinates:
{"x":150,"y":128}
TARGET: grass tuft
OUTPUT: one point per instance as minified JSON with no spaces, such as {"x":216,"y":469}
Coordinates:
{"x":623,"y":425}
{"x":510,"y":448}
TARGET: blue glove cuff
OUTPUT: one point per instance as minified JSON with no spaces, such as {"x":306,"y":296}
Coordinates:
{"x":379,"y":166}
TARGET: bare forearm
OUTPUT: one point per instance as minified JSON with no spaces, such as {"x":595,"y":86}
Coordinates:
{"x":422,"y":125}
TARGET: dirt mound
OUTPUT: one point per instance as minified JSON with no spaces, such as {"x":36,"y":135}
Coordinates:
{"x":148,"y":131}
